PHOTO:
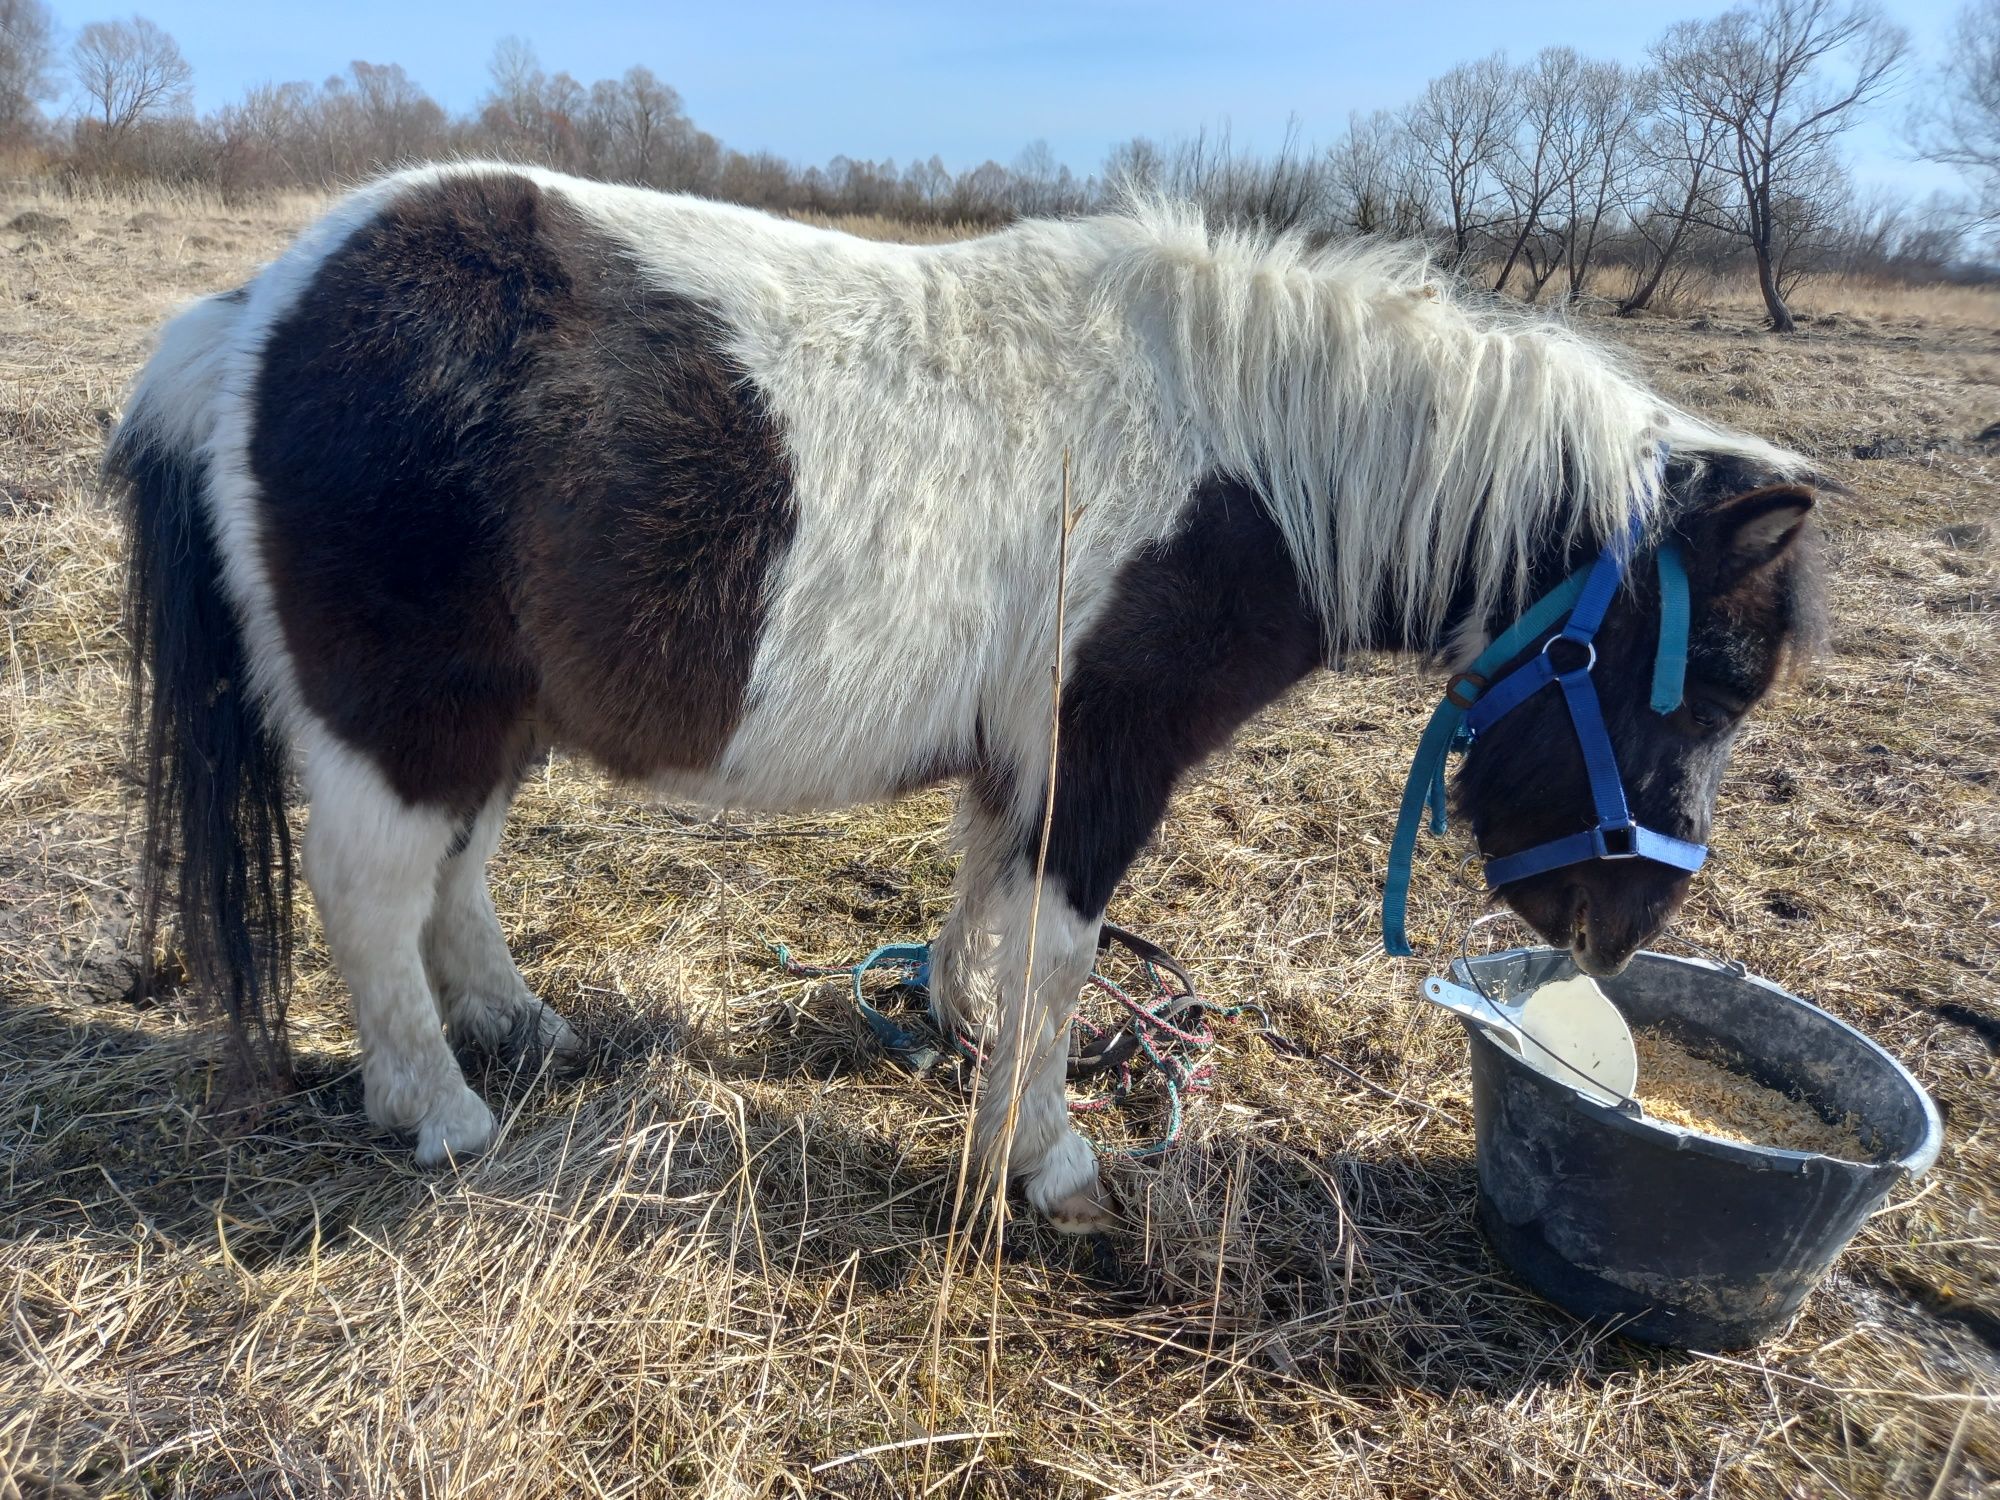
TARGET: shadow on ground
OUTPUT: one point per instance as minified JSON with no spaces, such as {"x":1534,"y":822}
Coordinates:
{"x":1289,"y":1258}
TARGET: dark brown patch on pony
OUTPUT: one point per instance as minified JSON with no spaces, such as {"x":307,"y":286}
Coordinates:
{"x":1200,"y":632}
{"x":510,"y":490}
{"x":666,"y":499}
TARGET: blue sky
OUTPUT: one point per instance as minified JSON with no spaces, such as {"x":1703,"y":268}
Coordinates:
{"x":897,"y":78}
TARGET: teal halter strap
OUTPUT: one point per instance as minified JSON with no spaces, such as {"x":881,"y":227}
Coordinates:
{"x":1425,"y":787}
{"x":1671,"y":663}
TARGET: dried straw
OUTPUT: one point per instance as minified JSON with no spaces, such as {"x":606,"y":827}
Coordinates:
{"x":712,"y":1266}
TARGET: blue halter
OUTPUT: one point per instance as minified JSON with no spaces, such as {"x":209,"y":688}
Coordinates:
{"x":1472,"y":704}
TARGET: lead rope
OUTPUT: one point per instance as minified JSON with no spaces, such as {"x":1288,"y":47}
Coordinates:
{"x":1169,"y":1029}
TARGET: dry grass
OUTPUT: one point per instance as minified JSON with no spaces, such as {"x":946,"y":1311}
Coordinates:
{"x":880,"y":227}
{"x":713,"y":1267}
{"x":1837,"y":297}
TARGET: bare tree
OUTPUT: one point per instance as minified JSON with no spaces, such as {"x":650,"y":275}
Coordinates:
{"x":129,"y":71}
{"x":27,"y":65}
{"x":1377,"y":186}
{"x":563,"y":103}
{"x":398,"y":121}
{"x":266,"y":140}
{"x":1761,"y":74}
{"x":981,"y":194}
{"x":1614,"y":106}
{"x":1134,"y":166}
{"x":1041,"y":184}
{"x":1960,"y":125}
{"x":371,"y":117}
{"x":763,"y":179}
{"x":1885,"y":234}
{"x":1460,"y":125}
{"x":517,"y":76}
{"x":511,"y":116}
{"x":634,"y":128}
{"x":692,"y":160}
{"x":533,"y":116}
{"x":1290,"y":189}
{"x":1540,"y":158}
{"x":926,"y":187}
{"x":1808,"y":218}
{"x":1677,"y":156}
{"x":652,"y":119}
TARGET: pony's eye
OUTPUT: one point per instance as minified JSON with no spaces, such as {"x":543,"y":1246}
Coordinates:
{"x":1707,"y":717}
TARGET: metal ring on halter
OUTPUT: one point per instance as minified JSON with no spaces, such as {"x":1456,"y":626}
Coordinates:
{"x":1617,"y":841}
{"x":1589,"y":661}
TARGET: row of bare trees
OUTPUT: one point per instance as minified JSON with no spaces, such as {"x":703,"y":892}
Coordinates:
{"x":1725,"y":139}
{"x":1721,"y":151}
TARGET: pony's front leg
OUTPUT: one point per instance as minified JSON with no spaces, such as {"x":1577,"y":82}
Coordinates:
{"x":979,"y":989}
{"x":1022,"y":1123}
{"x":965,"y":956}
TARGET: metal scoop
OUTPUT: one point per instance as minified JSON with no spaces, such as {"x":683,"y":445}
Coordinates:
{"x":1566,"y":1030}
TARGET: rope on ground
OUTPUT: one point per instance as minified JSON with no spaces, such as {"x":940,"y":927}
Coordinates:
{"x":1169,"y":1028}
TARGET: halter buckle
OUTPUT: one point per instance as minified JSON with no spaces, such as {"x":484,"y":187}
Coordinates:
{"x":1616,"y":841}
{"x":1454,"y":691}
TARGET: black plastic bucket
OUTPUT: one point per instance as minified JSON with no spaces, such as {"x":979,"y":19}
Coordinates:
{"x":1674,"y":1237}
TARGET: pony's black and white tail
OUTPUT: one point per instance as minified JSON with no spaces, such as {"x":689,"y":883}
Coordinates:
{"x":217,"y":847}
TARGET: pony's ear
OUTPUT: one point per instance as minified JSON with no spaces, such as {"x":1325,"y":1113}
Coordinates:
{"x":1754,"y":530}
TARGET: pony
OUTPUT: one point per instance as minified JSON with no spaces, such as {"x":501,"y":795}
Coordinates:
{"x":494,"y":462}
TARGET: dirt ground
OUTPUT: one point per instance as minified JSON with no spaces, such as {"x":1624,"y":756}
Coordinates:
{"x":716,"y":1264}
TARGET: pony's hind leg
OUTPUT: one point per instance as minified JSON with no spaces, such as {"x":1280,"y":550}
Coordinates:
{"x":372,"y":862}
{"x":481,"y":995}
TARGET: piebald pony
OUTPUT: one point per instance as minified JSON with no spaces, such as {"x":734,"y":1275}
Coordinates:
{"x":494,"y":461}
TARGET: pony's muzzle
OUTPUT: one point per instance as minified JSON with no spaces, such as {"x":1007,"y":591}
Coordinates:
{"x":1600,"y":955}
{"x":1602,"y":912}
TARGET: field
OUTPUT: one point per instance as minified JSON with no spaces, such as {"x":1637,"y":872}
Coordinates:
{"x":716,"y":1265}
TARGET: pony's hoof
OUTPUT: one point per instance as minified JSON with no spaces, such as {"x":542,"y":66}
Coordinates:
{"x":1088,"y":1210}
{"x":1067,"y":1189}
{"x":540,"y":1034}
{"x":461,"y":1126}
{"x":518,"y":1031}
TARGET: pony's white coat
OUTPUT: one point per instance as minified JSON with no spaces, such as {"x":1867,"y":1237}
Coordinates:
{"x":927,"y":396}
{"x":373,"y":863}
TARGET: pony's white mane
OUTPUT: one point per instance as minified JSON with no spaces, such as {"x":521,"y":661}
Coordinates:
{"x":1397,"y":426}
